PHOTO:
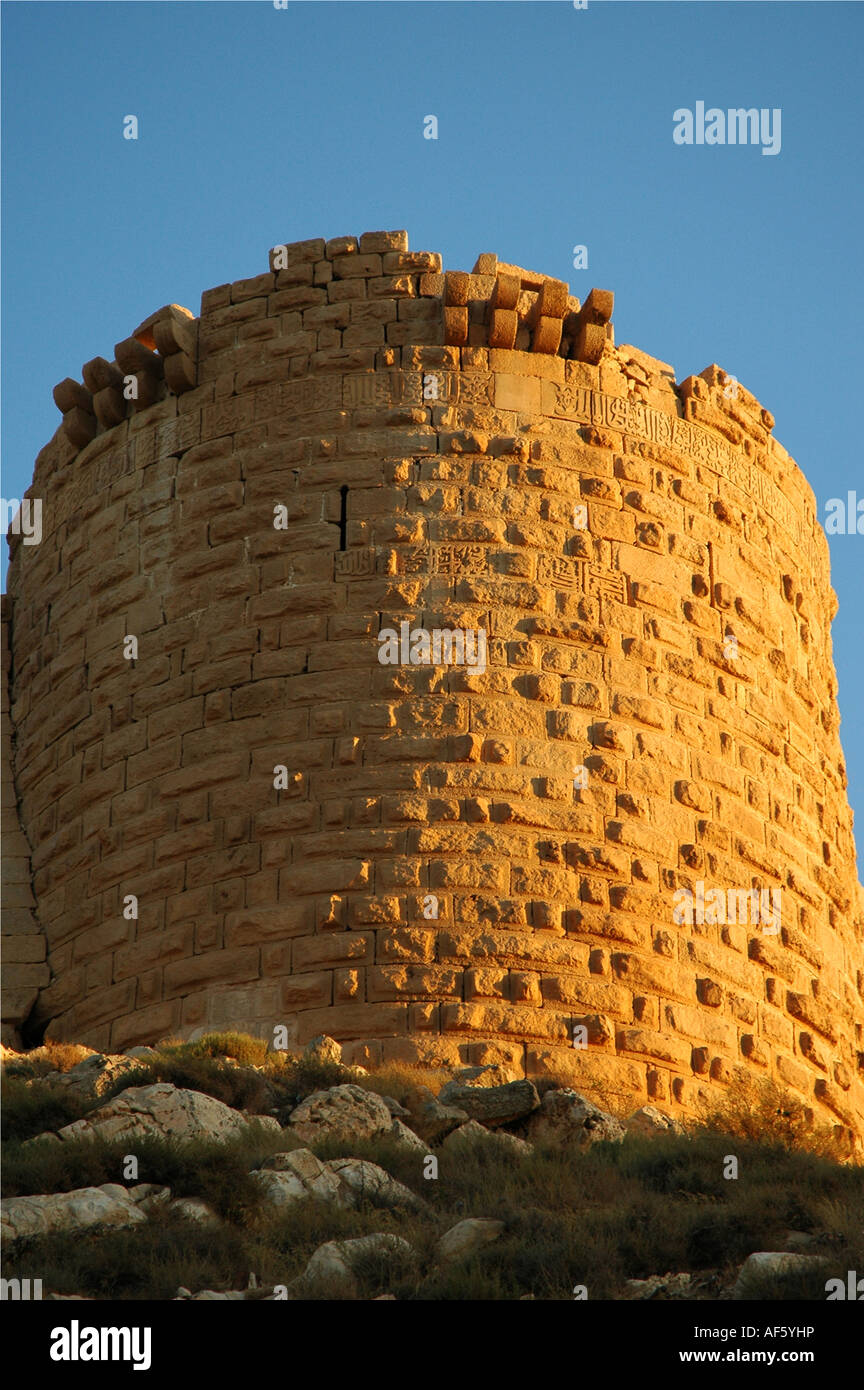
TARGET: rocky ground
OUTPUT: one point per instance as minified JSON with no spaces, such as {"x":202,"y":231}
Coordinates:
{"x":219,"y":1170}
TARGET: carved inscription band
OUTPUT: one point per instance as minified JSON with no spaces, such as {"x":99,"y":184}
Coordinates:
{"x":370,"y":389}
{"x":641,"y":421}
{"x":451,"y":561}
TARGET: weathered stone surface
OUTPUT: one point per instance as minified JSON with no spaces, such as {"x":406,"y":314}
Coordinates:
{"x":269,"y":1123}
{"x":367,"y":1182}
{"x":491,"y":1075}
{"x":650,"y":1121}
{"x":346,"y":1112}
{"x":769,"y":1264}
{"x":288,"y":1178}
{"x":659,"y":1286}
{"x":565,"y":1117}
{"x":467,"y":1136}
{"x":465,"y":866}
{"x":150,"y":1195}
{"x":800,"y":1241}
{"x":493,"y":1105}
{"x":79,"y":1210}
{"x":194,"y":1209}
{"x":214,"y":1296}
{"x":160,"y":1109}
{"x":430,"y":1119}
{"x":94,"y":1075}
{"x":323,"y":1049}
{"x":396,"y":1110}
{"x":333,"y":1263}
{"x":407,"y":1137}
{"x":467,"y":1237}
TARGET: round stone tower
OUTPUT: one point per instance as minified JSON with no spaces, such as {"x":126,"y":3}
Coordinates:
{"x":403,"y":661}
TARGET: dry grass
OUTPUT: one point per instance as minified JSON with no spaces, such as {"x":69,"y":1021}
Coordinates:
{"x":596,"y":1217}
{"x":52,"y":1056}
{"x":762,"y":1112}
{"x":615,"y":1212}
{"x":401,"y":1082}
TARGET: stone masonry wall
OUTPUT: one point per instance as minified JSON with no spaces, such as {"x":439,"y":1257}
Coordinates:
{"x":434,"y":879}
{"x":22,"y":946}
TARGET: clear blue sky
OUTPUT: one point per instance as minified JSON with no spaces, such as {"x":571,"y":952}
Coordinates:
{"x":259,"y":126}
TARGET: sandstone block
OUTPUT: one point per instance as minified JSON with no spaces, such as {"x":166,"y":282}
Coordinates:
{"x":464,"y":862}
{"x":492,"y":1105}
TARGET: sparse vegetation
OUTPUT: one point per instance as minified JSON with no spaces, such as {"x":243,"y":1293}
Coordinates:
{"x":241,"y":1087}
{"x":599,"y":1217}
{"x":763,"y":1112}
{"x":52,"y":1056}
{"x":29,"y":1109}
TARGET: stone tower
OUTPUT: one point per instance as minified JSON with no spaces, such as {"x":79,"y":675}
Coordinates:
{"x":401,"y":660}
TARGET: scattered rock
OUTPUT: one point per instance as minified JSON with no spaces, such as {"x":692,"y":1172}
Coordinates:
{"x":800,"y":1241}
{"x":405,"y":1136}
{"x":467,"y":1136}
{"x":266,"y":1122}
{"x":216,"y":1295}
{"x":659,"y":1286}
{"x":468,"y":1236}
{"x":212,"y":1296}
{"x":565,"y":1117}
{"x":79,"y":1210}
{"x":149,"y":1195}
{"x":651,"y":1121}
{"x":334,"y":1262}
{"x":367,"y":1181}
{"x":163,"y":1110}
{"x":346,"y":1112}
{"x":93,"y":1075}
{"x":493,"y":1105}
{"x":772,"y":1264}
{"x":491,"y":1075}
{"x":288,"y":1178}
{"x":195,"y":1209}
{"x":397,"y":1110}
{"x":429,"y":1118}
{"x":323,"y":1049}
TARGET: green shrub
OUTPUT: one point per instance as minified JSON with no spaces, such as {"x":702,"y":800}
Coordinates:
{"x":30,"y":1109}
{"x":216,"y":1171}
{"x":239,"y":1046}
{"x":149,"y":1262}
{"x":243,"y":1088}
{"x":596,"y":1217}
{"x":401,"y":1081}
